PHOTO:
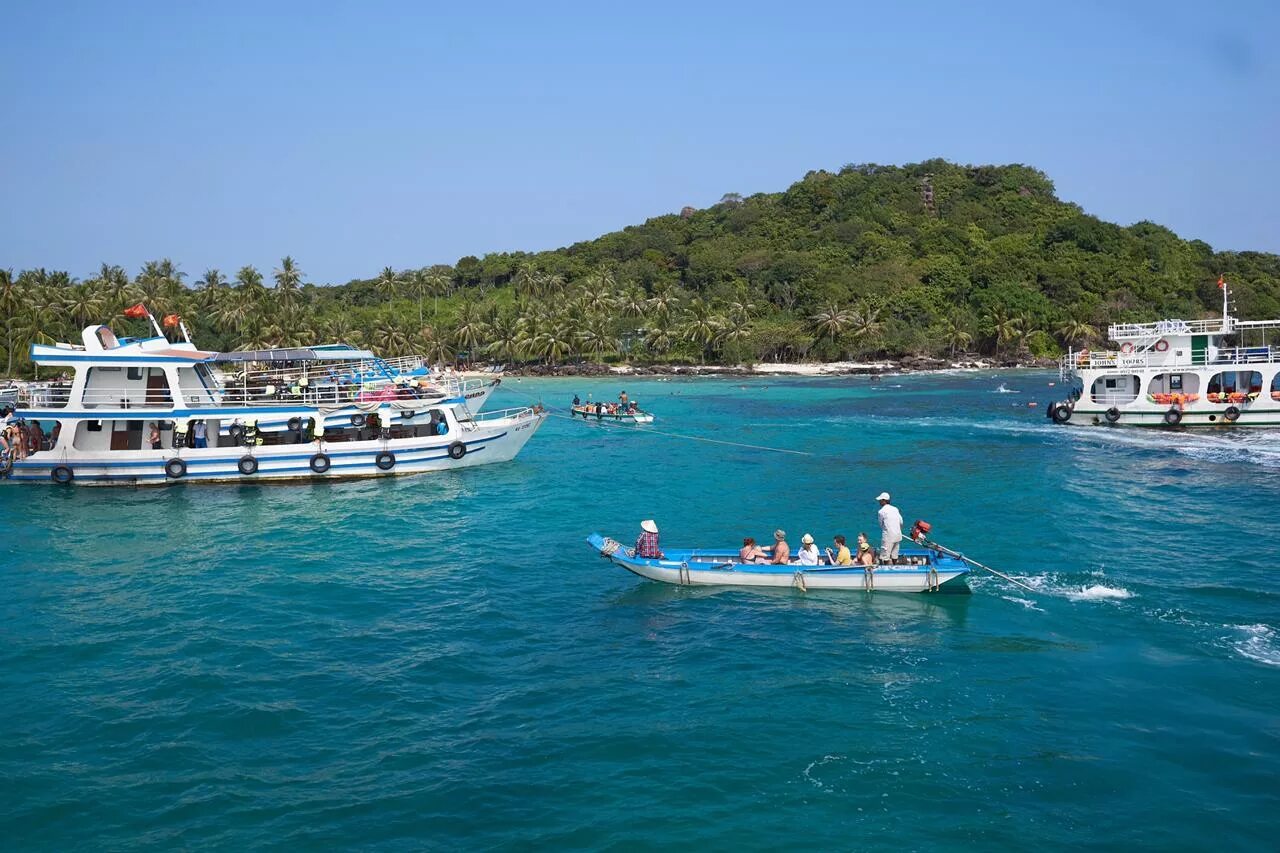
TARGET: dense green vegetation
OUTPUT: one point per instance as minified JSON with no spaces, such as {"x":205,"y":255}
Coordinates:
{"x":870,"y":261}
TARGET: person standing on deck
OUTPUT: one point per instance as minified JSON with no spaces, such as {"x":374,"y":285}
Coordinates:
{"x":200,"y":432}
{"x":647,"y":542}
{"x":890,"y":529}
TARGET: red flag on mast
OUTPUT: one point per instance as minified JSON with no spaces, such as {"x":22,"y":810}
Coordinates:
{"x":171,"y":320}
{"x":1221,"y":283}
{"x":136,"y":311}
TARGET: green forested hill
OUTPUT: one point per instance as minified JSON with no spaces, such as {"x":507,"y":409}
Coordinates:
{"x":931,"y":258}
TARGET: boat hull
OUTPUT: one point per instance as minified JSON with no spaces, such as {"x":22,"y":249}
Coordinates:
{"x":621,"y":418}
{"x":495,"y":441}
{"x":714,"y":568}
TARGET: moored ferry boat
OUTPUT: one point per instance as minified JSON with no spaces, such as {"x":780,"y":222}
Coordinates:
{"x":155,"y":411}
{"x":1219,"y":372}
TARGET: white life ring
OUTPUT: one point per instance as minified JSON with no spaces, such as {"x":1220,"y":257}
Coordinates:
{"x":1162,"y":345}
{"x":1126,"y":348}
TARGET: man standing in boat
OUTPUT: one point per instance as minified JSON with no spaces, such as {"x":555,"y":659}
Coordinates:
{"x":890,"y":529}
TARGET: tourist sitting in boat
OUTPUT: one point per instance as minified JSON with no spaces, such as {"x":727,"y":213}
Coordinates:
{"x":841,"y":557}
{"x":647,"y":542}
{"x":576,"y":401}
{"x":781,"y":550}
{"x":751,"y":552}
{"x":35,"y":437}
{"x":866,"y":556}
{"x":808,"y":555}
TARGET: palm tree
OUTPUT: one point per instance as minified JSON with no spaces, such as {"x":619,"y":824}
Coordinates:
{"x":9,"y":309}
{"x":250,"y":286}
{"x":1073,"y":330}
{"x":390,"y":338}
{"x":632,"y":303}
{"x":701,"y":326}
{"x":664,"y":300}
{"x":388,"y":284}
{"x":288,"y":281}
{"x":1003,"y":327}
{"x":957,"y":336}
{"x":596,"y":339}
{"x":831,"y":322}
{"x":659,"y":338}
{"x":213,"y":279}
{"x":84,"y":303}
{"x":504,"y":337}
{"x":865,"y":321}
{"x":470,"y":328}
{"x":554,"y":343}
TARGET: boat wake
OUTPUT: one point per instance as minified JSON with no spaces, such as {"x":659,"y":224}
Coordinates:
{"x":1003,"y":390}
{"x":810,"y":776}
{"x":1259,"y":643}
{"x":1252,"y":448}
{"x":1048,"y":585}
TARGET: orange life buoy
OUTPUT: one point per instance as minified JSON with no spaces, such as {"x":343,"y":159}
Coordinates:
{"x":1126,"y":348}
{"x":1162,"y":345}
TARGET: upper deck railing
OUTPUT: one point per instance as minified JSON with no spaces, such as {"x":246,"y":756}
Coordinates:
{"x":1123,"y":331}
{"x":59,"y":396}
{"x":1148,"y":360}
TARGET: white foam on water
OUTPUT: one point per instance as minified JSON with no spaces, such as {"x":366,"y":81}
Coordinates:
{"x":808,"y":771}
{"x":1260,"y":643}
{"x":1003,"y":390}
{"x":1098,"y":592}
{"x":1254,"y":448}
{"x":1025,"y":602}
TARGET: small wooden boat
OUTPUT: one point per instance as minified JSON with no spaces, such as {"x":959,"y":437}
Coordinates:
{"x":601,"y":412}
{"x":919,"y":569}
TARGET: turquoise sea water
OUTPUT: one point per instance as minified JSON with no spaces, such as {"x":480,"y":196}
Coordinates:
{"x":440,"y":662}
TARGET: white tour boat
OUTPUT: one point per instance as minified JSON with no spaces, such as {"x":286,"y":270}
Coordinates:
{"x":155,"y":411}
{"x":1219,"y":372}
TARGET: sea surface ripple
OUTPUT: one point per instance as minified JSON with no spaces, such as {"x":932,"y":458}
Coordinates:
{"x":440,"y":662}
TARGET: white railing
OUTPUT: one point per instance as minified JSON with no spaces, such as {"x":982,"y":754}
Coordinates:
{"x":1086,"y":360}
{"x":1120,"y":331}
{"x":253,"y":395}
{"x":499,"y":414}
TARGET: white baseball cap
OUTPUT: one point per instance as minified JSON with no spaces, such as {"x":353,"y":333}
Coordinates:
{"x":883,"y":496}
{"x":649,"y":526}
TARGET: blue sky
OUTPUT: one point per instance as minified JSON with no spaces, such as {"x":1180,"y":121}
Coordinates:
{"x":359,"y":135}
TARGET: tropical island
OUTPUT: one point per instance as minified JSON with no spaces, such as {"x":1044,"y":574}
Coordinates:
{"x":871,"y":263}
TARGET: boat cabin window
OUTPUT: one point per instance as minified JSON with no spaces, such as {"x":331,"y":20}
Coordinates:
{"x":109,"y":387}
{"x":196,"y":383}
{"x":1116,"y":389}
{"x":1275,"y":387}
{"x":1174,"y":383}
{"x":1236,"y":382}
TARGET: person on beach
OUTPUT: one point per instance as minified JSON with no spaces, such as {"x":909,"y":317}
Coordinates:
{"x":808,"y":555}
{"x":647,"y":542}
{"x":750,"y":552}
{"x":841,"y":557}
{"x":890,"y":529}
{"x":781,"y":550}
{"x":154,"y":436}
{"x":866,"y":555}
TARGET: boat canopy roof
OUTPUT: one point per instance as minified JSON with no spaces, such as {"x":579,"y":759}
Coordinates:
{"x":327,"y":352}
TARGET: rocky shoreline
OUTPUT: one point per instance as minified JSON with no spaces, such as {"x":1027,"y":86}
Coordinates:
{"x":909,"y":364}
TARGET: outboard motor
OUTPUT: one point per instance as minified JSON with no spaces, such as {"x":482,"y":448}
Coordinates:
{"x":920,"y":530}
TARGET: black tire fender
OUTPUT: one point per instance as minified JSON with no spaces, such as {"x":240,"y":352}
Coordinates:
{"x":62,"y":474}
{"x":236,"y":431}
{"x":320,"y":463}
{"x":1061,"y":413}
{"x":357,"y":420}
{"x":294,"y":424}
{"x":1112,"y":415}
{"x":386,"y":460}
{"x":175,"y":468}
{"x":1173,"y":417}
{"x":247,"y":465}
{"x":1231,"y":414}
{"x":457,"y":450}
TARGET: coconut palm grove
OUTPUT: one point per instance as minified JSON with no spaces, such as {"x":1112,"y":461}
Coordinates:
{"x":869,"y":261}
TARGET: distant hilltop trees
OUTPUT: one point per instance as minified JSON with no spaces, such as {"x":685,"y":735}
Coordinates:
{"x":868,"y":261}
